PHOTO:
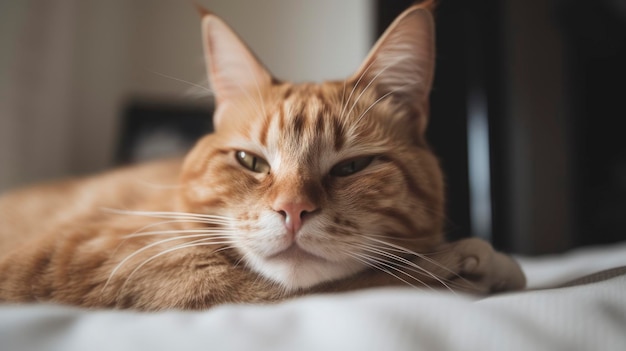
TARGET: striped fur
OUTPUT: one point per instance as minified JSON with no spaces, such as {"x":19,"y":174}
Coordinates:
{"x":302,"y":136}
{"x":208,"y":230}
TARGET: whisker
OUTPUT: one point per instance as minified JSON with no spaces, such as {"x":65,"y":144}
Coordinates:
{"x":376,"y":102}
{"x":195,"y":243}
{"x":165,"y":214}
{"x":418,"y":269}
{"x":258,"y":89}
{"x":422,"y":256}
{"x":141,"y":231}
{"x":207,"y":89}
{"x":395,"y":259}
{"x":249,"y":98}
{"x":137,"y":252}
{"x":412,"y":240}
{"x":403,"y":249}
{"x":343,"y":108}
{"x":367,"y":260}
{"x":162,"y":223}
{"x":243,"y":256}
{"x":181,"y":231}
{"x":343,"y":93}
{"x":358,"y":120}
{"x":372,"y":81}
{"x":412,"y":266}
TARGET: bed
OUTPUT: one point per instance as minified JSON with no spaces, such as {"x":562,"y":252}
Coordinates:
{"x":575,"y":301}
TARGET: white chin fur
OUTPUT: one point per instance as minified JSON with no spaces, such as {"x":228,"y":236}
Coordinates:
{"x":301,"y":273}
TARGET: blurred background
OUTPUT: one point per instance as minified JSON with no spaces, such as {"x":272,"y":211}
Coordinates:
{"x":526,"y":105}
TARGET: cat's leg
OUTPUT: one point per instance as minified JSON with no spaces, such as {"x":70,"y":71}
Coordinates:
{"x":478,"y":268}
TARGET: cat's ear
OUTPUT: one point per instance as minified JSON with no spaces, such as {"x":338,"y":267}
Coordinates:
{"x":401,"y":64}
{"x":234,"y":71}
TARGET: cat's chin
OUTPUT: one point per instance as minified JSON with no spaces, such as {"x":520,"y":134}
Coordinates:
{"x":296,"y":268}
{"x":294,"y":254}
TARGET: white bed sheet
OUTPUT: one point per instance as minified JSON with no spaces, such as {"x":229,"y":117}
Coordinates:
{"x":584,"y":317}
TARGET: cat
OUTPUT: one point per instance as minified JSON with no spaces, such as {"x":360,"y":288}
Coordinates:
{"x":302,"y":188}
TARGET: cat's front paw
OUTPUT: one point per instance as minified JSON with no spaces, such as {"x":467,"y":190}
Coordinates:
{"x":481,"y":269}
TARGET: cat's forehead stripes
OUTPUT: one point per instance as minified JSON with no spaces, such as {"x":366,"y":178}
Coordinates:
{"x":303,"y":117}
{"x":317,"y":125}
{"x":338,"y":134}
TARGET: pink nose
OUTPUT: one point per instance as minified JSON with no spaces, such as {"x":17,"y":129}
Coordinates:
{"x":294,"y":212}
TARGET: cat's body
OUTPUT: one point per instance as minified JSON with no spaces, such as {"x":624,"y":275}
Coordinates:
{"x":302,"y":188}
{"x":69,"y":258}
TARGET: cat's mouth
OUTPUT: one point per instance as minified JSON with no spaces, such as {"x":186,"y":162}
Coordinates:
{"x":298,"y":268}
{"x":295,"y":253}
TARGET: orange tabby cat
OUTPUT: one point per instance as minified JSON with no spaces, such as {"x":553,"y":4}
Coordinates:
{"x":302,"y":188}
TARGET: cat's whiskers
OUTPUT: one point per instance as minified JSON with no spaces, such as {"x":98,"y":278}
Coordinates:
{"x":241,"y":259}
{"x":181,"y":217}
{"x":258,"y":89}
{"x":343,"y":94}
{"x":387,"y":251}
{"x":167,"y":214}
{"x":343,"y":108}
{"x":411,"y":266}
{"x":163,"y":241}
{"x":207,"y":236}
{"x":400,"y":249}
{"x":375,"y":263}
{"x":386,"y":95}
{"x":363,"y":73}
{"x":410,"y":252}
{"x":251,"y":100}
{"x":412,"y":239}
{"x":453,"y":266}
{"x":195,"y":243}
{"x":181,"y":231}
{"x":141,"y":230}
{"x":424,"y":257}
{"x":396,"y":61}
{"x":209,"y":91}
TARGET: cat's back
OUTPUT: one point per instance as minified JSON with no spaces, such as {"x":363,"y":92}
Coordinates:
{"x":35,"y":210}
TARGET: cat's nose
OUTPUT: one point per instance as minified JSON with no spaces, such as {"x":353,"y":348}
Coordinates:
{"x":294,"y":212}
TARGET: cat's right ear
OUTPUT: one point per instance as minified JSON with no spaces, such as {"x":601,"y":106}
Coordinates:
{"x":233,"y":69}
{"x":401,"y":64}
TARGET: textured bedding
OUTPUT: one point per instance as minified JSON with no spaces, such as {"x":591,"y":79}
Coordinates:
{"x":587,"y":314}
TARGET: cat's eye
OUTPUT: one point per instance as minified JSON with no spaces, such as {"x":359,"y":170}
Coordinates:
{"x":351,"y":166}
{"x":252,"y":162}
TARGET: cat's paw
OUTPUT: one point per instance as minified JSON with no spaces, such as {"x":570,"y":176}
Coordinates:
{"x":481,"y":269}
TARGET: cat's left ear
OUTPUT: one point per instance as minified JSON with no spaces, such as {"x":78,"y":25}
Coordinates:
{"x":233,"y":69}
{"x":401,"y":64}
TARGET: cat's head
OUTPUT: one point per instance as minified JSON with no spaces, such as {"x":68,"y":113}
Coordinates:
{"x":320,"y":180}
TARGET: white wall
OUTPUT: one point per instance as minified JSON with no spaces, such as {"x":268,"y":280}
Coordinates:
{"x":37,"y":50}
{"x":68,"y":66}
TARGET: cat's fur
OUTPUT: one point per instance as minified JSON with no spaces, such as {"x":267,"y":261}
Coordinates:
{"x":308,"y":220}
